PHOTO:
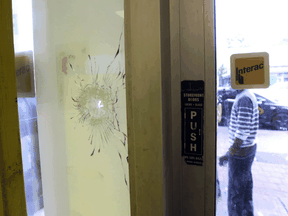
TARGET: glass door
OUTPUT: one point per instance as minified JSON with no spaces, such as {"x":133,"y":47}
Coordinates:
{"x":252,"y":183}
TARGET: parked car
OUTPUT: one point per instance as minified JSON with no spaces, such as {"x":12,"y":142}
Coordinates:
{"x":278,"y":91}
{"x":273,"y":114}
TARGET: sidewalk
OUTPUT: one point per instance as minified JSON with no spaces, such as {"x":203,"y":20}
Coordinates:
{"x":270,"y":191}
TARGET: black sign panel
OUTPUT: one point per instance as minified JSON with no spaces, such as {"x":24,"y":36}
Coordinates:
{"x":192,"y":111}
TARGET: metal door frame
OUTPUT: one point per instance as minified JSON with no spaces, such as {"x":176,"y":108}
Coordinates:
{"x":182,"y":35}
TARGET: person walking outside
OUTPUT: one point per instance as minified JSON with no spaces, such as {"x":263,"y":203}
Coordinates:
{"x":244,"y":123}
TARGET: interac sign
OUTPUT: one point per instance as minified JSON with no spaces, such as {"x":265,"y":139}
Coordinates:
{"x":250,"y":70}
{"x":24,"y":74}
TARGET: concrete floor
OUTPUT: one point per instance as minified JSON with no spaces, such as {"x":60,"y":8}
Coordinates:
{"x":270,"y":176}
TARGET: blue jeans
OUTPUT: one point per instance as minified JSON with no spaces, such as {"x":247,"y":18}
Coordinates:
{"x":240,"y":184}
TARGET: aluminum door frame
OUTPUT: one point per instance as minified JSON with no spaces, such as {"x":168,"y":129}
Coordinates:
{"x":192,"y":32}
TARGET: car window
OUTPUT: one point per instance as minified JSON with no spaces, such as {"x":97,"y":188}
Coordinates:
{"x":265,"y":93}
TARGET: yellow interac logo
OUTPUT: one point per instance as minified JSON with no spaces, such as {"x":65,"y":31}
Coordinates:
{"x":24,"y":74}
{"x":250,"y":70}
{"x":253,"y":74}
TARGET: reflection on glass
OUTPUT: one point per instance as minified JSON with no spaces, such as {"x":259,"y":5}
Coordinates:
{"x":23,"y":41}
{"x":252,"y":32}
{"x":30,"y":154}
{"x":22,"y":25}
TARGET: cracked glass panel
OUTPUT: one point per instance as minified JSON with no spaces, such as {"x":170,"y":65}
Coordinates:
{"x":80,"y":79}
{"x":252,"y":133}
{"x":93,"y":89}
{"x":96,"y":102}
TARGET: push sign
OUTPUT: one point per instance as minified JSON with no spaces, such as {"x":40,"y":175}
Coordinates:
{"x":192,"y":110}
{"x":250,"y":70}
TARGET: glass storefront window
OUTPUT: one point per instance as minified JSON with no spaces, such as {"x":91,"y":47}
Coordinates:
{"x":244,"y":27}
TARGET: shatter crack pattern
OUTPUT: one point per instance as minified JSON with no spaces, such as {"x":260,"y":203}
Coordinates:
{"x":96,"y":104}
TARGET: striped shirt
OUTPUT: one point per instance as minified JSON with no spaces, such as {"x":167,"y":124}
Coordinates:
{"x":244,"y":119}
